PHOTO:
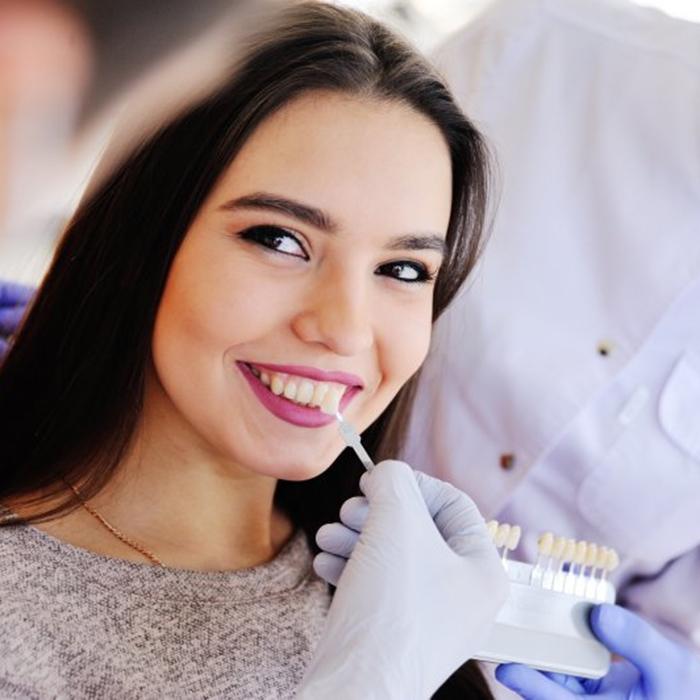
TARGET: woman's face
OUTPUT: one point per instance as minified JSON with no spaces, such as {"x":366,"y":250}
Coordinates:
{"x":308,"y":270}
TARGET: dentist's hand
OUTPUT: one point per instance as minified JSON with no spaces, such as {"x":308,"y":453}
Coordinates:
{"x":13,"y":303}
{"x":654,"y":667}
{"x":419,"y":583}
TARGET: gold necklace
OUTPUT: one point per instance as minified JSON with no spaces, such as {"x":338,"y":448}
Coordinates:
{"x":126,"y":540}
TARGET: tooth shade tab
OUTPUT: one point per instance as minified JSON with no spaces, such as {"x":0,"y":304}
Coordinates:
{"x":319,"y":392}
{"x":591,"y":554}
{"x":513,"y":538}
{"x":613,"y":560}
{"x":502,"y":535}
{"x":558,"y":547}
{"x":580,"y":552}
{"x":331,"y":401}
{"x":545,"y":543}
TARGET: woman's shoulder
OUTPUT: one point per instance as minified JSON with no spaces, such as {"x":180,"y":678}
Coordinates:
{"x":16,"y":550}
{"x":24,"y":556}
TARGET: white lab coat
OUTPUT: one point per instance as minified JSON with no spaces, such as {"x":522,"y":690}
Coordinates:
{"x":574,"y":353}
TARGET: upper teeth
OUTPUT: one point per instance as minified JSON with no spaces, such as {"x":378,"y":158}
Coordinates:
{"x":301,"y":390}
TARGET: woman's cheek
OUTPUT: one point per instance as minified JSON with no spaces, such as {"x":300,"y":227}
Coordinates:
{"x":406,"y":343}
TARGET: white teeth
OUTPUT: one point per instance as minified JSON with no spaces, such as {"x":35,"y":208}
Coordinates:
{"x":305,"y":392}
{"x":325,"y":395}
{"x":277,"y":384}
{"x":319,"y":393}
{"x":290,"y":391}
{"x":331,"y":401}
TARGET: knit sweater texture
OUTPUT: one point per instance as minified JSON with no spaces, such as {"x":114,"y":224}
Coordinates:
{"x":76,"y":624}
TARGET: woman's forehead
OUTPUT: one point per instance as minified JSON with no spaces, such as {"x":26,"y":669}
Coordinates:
{"x":359,"y":159}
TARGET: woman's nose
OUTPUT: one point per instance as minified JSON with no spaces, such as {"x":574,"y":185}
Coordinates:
{"x":338,"y":316}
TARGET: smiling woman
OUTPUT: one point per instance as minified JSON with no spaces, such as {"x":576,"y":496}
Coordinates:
{"x":284,"y":246}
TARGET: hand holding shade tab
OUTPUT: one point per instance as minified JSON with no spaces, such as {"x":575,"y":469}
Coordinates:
{"x":418,"y":585}
{"x":544,"y":622}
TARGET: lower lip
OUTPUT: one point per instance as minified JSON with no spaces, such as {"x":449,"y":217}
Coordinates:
{"x":288,"y":411}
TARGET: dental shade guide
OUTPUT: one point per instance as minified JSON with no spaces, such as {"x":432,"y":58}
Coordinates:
{"x":331,"y":406}
{"x":352,"y":440}
{"x":544,"y":621}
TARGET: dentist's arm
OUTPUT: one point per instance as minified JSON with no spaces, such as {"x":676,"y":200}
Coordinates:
{"x":419,"y":583}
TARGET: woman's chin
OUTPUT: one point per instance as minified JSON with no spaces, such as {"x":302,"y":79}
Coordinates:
{"x":300,"y":471}
{"x":280,"y":467}
{"x":291,"y":462}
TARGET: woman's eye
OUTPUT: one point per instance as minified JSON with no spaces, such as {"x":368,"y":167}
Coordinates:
{"x":275,"y":238}
{"x":406,"y":271}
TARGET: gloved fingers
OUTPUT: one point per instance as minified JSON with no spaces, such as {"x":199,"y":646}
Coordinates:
{"x":337,"y":539}
{"x":531,"y":684}
{"x":329,"y":567}
{"x":354,"y":511}
{"x":392,"y":482}
{"x":627,"y":634}
{"x":10,"y":319}
{"x":575,"y":685}
{"x":456,"y":516}
{"x":12,"y":293}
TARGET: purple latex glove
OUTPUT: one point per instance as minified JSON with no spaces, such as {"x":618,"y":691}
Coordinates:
{"x":653,"y":667}
{"x":13,"y":303}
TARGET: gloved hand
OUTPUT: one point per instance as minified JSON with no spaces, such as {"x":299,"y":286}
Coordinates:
{"x":419,"y":583}
{"x":654,"y":667}
{"x":13,"y":302}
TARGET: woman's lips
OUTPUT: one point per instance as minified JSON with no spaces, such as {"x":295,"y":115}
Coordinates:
{"x":286,"y":410}
{"x":318,"y":375}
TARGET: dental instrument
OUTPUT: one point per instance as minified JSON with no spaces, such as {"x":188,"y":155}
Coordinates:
{"x":331,"y":406}
{"x":544,"y":621}
{"x":352,"y":440}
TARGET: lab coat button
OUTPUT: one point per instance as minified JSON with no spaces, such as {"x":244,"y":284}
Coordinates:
{"x":507,"y":461}
{"x":605,"y":347}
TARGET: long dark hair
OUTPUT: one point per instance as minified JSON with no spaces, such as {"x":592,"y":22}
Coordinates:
{"x":72,"y":384}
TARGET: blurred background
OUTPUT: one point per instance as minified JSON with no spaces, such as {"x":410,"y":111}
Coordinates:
{"x":26,"y":245}
{"x":427,"y":21}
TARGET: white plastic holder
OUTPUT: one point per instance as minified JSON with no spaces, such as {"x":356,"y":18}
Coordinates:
{"x":546,"y":629}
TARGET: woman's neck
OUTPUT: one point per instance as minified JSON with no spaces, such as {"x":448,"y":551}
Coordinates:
{"x":193,"y":515}
{"x":175,"y":498}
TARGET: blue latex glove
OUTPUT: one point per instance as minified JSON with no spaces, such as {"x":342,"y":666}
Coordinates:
{"x":13,"y":303}
{"x":419,"y":584}
{"x":653,"y":667}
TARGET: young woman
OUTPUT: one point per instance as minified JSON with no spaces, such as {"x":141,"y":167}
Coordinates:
{"x":165,"y":465}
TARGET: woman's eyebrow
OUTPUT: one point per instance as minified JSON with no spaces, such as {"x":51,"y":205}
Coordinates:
{"x":323,"y":221}
{"x":272,"y":202}
{"x":428,"y":241}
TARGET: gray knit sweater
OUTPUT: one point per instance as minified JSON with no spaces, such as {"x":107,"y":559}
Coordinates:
{"x":74,"y":624}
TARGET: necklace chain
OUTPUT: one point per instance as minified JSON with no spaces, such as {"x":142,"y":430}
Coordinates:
{"x":126,"y":540}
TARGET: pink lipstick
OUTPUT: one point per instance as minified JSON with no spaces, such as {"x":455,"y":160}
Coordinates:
{"x":286,"y":410}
